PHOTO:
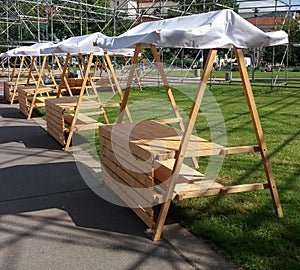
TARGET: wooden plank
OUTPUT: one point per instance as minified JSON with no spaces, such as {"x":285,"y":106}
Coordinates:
{"x":110,"y":105}
{"x":57,"y":122}
{"x":240,"y":149}
{"x":144,"y":216}
{"x":142,"y":177}
{"x":121,"y":143}
{"x":56,"y":134}
{"x":52,"y":112}
{"x":87,"y":126}
{"x":144,"y":195}
{"x":54,"y":129}
{"x":161,"y":140}
{"x":125,"y":152}
{"x":189,"y":180}
{"x":222,"y":191}
{"x":169,"y":121}
{"x":23,"y":104}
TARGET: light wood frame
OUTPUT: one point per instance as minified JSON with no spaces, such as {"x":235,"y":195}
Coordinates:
{"x":157,"y":225}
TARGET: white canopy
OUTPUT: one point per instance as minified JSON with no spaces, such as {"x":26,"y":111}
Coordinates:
{"x":84,"y":45}
{"x":216,"y":29}
{"x":75,"y":45}
{"x":33,"y":50}
{"x":9,"y":53}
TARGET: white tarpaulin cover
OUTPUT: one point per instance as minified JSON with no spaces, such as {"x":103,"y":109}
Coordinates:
{"x":216,"y":29}
{"x":75,"y":45}
{"x":9,"y":53}
{"x":33,"y":50}
{"x":84,"y":45}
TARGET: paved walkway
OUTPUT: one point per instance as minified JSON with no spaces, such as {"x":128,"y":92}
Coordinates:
{"x":50,"y":218}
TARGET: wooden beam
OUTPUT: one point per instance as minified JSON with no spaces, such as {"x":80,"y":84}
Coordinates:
{"x":83,"y":87}
{"x":129,"y":82}
{"x":258,"y":129}
{"x":184,"y":143}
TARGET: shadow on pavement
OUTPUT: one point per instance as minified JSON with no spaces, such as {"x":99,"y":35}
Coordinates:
{"x":27,"y":188}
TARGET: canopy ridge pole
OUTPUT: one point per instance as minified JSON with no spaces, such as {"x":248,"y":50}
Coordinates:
{"x":112,"y":71}
{"x":129,"y":82}
{"x":169,"y":93}
{"x":63,"y":79}
{"x":37,"y":87}
{"x":17,"y":81}
{"x":83,"y":88}
{"x":184,"y":143}
{"x":258,"y":130}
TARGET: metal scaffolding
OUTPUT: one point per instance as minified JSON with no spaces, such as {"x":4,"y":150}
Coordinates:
{"x":25,"y":22}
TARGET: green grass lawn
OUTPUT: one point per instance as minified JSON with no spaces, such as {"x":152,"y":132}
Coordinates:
{"x":243,"y":227}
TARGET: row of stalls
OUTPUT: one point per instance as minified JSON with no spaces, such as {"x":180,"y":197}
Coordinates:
{"x":144,"y":161}
{"x":71,"y":96}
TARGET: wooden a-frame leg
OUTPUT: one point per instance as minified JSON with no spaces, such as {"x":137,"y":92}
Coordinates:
{"x":83,"y":88}
{"x":36,"y":90}
{"x":128,"y":83}
{"x":184,"y":143}
{"x":116,"y":82}
{"x":17,"y":81}
{"x":258,"y":131}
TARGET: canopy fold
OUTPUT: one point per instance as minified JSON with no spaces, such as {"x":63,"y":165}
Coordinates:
{"x":216,"y":29}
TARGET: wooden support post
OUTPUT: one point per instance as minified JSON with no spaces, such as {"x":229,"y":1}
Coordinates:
{"x":51,"y":76}
{"x":14,"y":69}
{"x":83,"y":88}
{"x":184,"y":142}
{"x":258,"y":130}
{"x":63,"y":80}
{"x":166,"y":84}
{"x":17,"y":81}
{"x":129,"y":82}
{"x":30,"y":74}
{"x":36,"y":91}
{"x":116,"y":82}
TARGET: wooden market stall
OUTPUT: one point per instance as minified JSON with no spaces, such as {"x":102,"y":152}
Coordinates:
{"x":45,"y":84}
{"x":21,"y":75}
{"x":28,"y":71}
{"x":64,"y":115}
{"x":143,"y":162}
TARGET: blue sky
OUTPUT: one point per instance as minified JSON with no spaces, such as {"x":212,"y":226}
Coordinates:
{"x":268,"y":5}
